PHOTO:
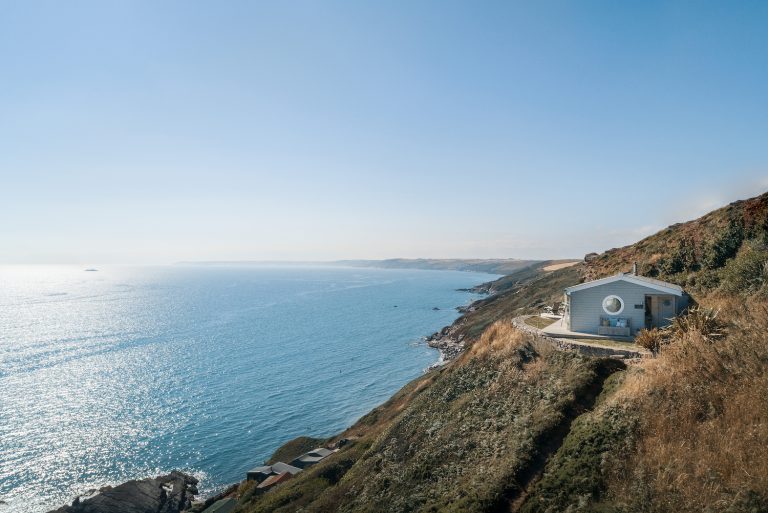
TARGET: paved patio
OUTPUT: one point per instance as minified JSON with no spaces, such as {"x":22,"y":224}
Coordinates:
{"x":559,"y":330}
{"x":585,"y":343}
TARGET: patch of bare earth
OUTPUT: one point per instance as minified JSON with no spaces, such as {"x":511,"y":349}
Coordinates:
{"x":555,"y":267}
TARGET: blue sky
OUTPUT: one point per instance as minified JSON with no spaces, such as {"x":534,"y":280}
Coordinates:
{"x":152,"y":132}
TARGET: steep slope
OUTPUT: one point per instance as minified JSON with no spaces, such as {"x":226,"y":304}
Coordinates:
{"x":513,"y":425}
{"x":685,"y":432}
{"x":470,"y":441}
{"x":690,"y":253}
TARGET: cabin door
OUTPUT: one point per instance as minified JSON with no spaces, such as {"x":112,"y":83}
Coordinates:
{"x":662,"y":310}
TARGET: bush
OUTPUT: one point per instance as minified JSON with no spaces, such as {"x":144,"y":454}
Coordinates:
{"x":748,"y":272}
{"x":724,"y":247}
{"x":707,"y":280}
{"x":652,"y":339}
{"x":682,"y":259}
{"x":702,"y":321}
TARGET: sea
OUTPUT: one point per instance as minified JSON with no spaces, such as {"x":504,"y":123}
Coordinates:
{"x":128,"y":372}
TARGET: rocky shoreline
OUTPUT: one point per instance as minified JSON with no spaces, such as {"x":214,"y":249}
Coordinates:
{"x":448,"y":340}
{"x":448,"y":343}
{"x":170,"y":493}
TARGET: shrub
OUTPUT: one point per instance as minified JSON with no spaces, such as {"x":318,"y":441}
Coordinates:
{"x":682,"y":259}
{"x":748,"y":272}
{"x":652,"y":339}
{"x":724,"y":247}
{"x":707,"y":280}
{"x":702,"y":321}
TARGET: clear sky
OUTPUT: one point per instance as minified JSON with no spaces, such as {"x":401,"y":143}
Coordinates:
{"x":153,"y":132}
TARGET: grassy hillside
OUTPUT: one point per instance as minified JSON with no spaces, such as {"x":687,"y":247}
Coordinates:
{"x":685,"y":432}
{"x":470,"y":440}
{"x":692,"y":254}
{"x":513,"y":425}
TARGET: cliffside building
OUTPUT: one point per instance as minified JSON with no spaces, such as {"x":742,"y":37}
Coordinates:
{"x":621,"y":305}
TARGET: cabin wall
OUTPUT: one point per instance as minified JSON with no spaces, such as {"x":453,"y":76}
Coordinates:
{"x":587,"y":305}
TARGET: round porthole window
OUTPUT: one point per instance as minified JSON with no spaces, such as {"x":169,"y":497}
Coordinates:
{"x":613,"y":305}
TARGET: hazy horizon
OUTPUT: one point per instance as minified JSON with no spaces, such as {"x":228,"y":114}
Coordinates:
{"x":156,"y":133}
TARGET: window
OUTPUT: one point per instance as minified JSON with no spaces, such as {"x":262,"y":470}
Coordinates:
{"x":613,"y":305}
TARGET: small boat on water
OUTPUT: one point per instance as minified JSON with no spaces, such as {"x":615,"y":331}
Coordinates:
{"x":91,"y":270}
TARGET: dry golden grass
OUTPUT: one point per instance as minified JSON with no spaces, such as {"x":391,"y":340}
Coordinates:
{"x":704,"y":437}
{"x":651,"y":340}
{"x":502,"y":338}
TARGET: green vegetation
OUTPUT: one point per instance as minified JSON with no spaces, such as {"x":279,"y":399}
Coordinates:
{"x":514,"y":425}
{"x":747,"y":273}
{"x":724,"y":246}
{"x":307,"y":487}
{"x":539,"y":322}
{"x":607,"y":342}
{"x":701,"y":255}
{"x":703,"y":322}
{"x":467,"y":442}
{"x":577,"y":475}
{"x":682,"y":259}
{"x":683,"y":433}
{"x":490,"y":412}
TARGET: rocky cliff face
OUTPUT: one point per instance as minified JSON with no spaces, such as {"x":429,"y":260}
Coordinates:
{"x":171,"y":493}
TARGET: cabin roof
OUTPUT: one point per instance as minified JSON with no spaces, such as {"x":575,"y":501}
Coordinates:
{"x":281,"y":467}
{"x":320,"y":451}
{"x":661,"y":286}
{"x":277,"y":468}
{"x":274,"y":479}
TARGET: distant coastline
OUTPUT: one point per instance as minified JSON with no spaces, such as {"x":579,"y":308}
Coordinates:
{"x":499,"y":266}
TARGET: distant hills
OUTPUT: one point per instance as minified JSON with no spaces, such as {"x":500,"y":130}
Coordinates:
{"x":491,"y":266}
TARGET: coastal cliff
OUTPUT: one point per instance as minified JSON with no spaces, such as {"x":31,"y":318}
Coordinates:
{"x":513,"y":423}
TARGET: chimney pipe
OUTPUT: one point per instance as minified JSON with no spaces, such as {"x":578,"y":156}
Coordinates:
{"x":634,"y":268}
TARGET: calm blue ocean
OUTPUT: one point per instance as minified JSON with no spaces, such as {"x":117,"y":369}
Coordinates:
{"x":129,"y":372}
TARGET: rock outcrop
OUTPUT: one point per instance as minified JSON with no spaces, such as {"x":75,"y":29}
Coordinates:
{"x":448,"y":342}
{"x":171,"y":493}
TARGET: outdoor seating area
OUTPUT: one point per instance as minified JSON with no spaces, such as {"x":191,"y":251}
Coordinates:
{"x":559,"y":329}
{"x":615,"y":327}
